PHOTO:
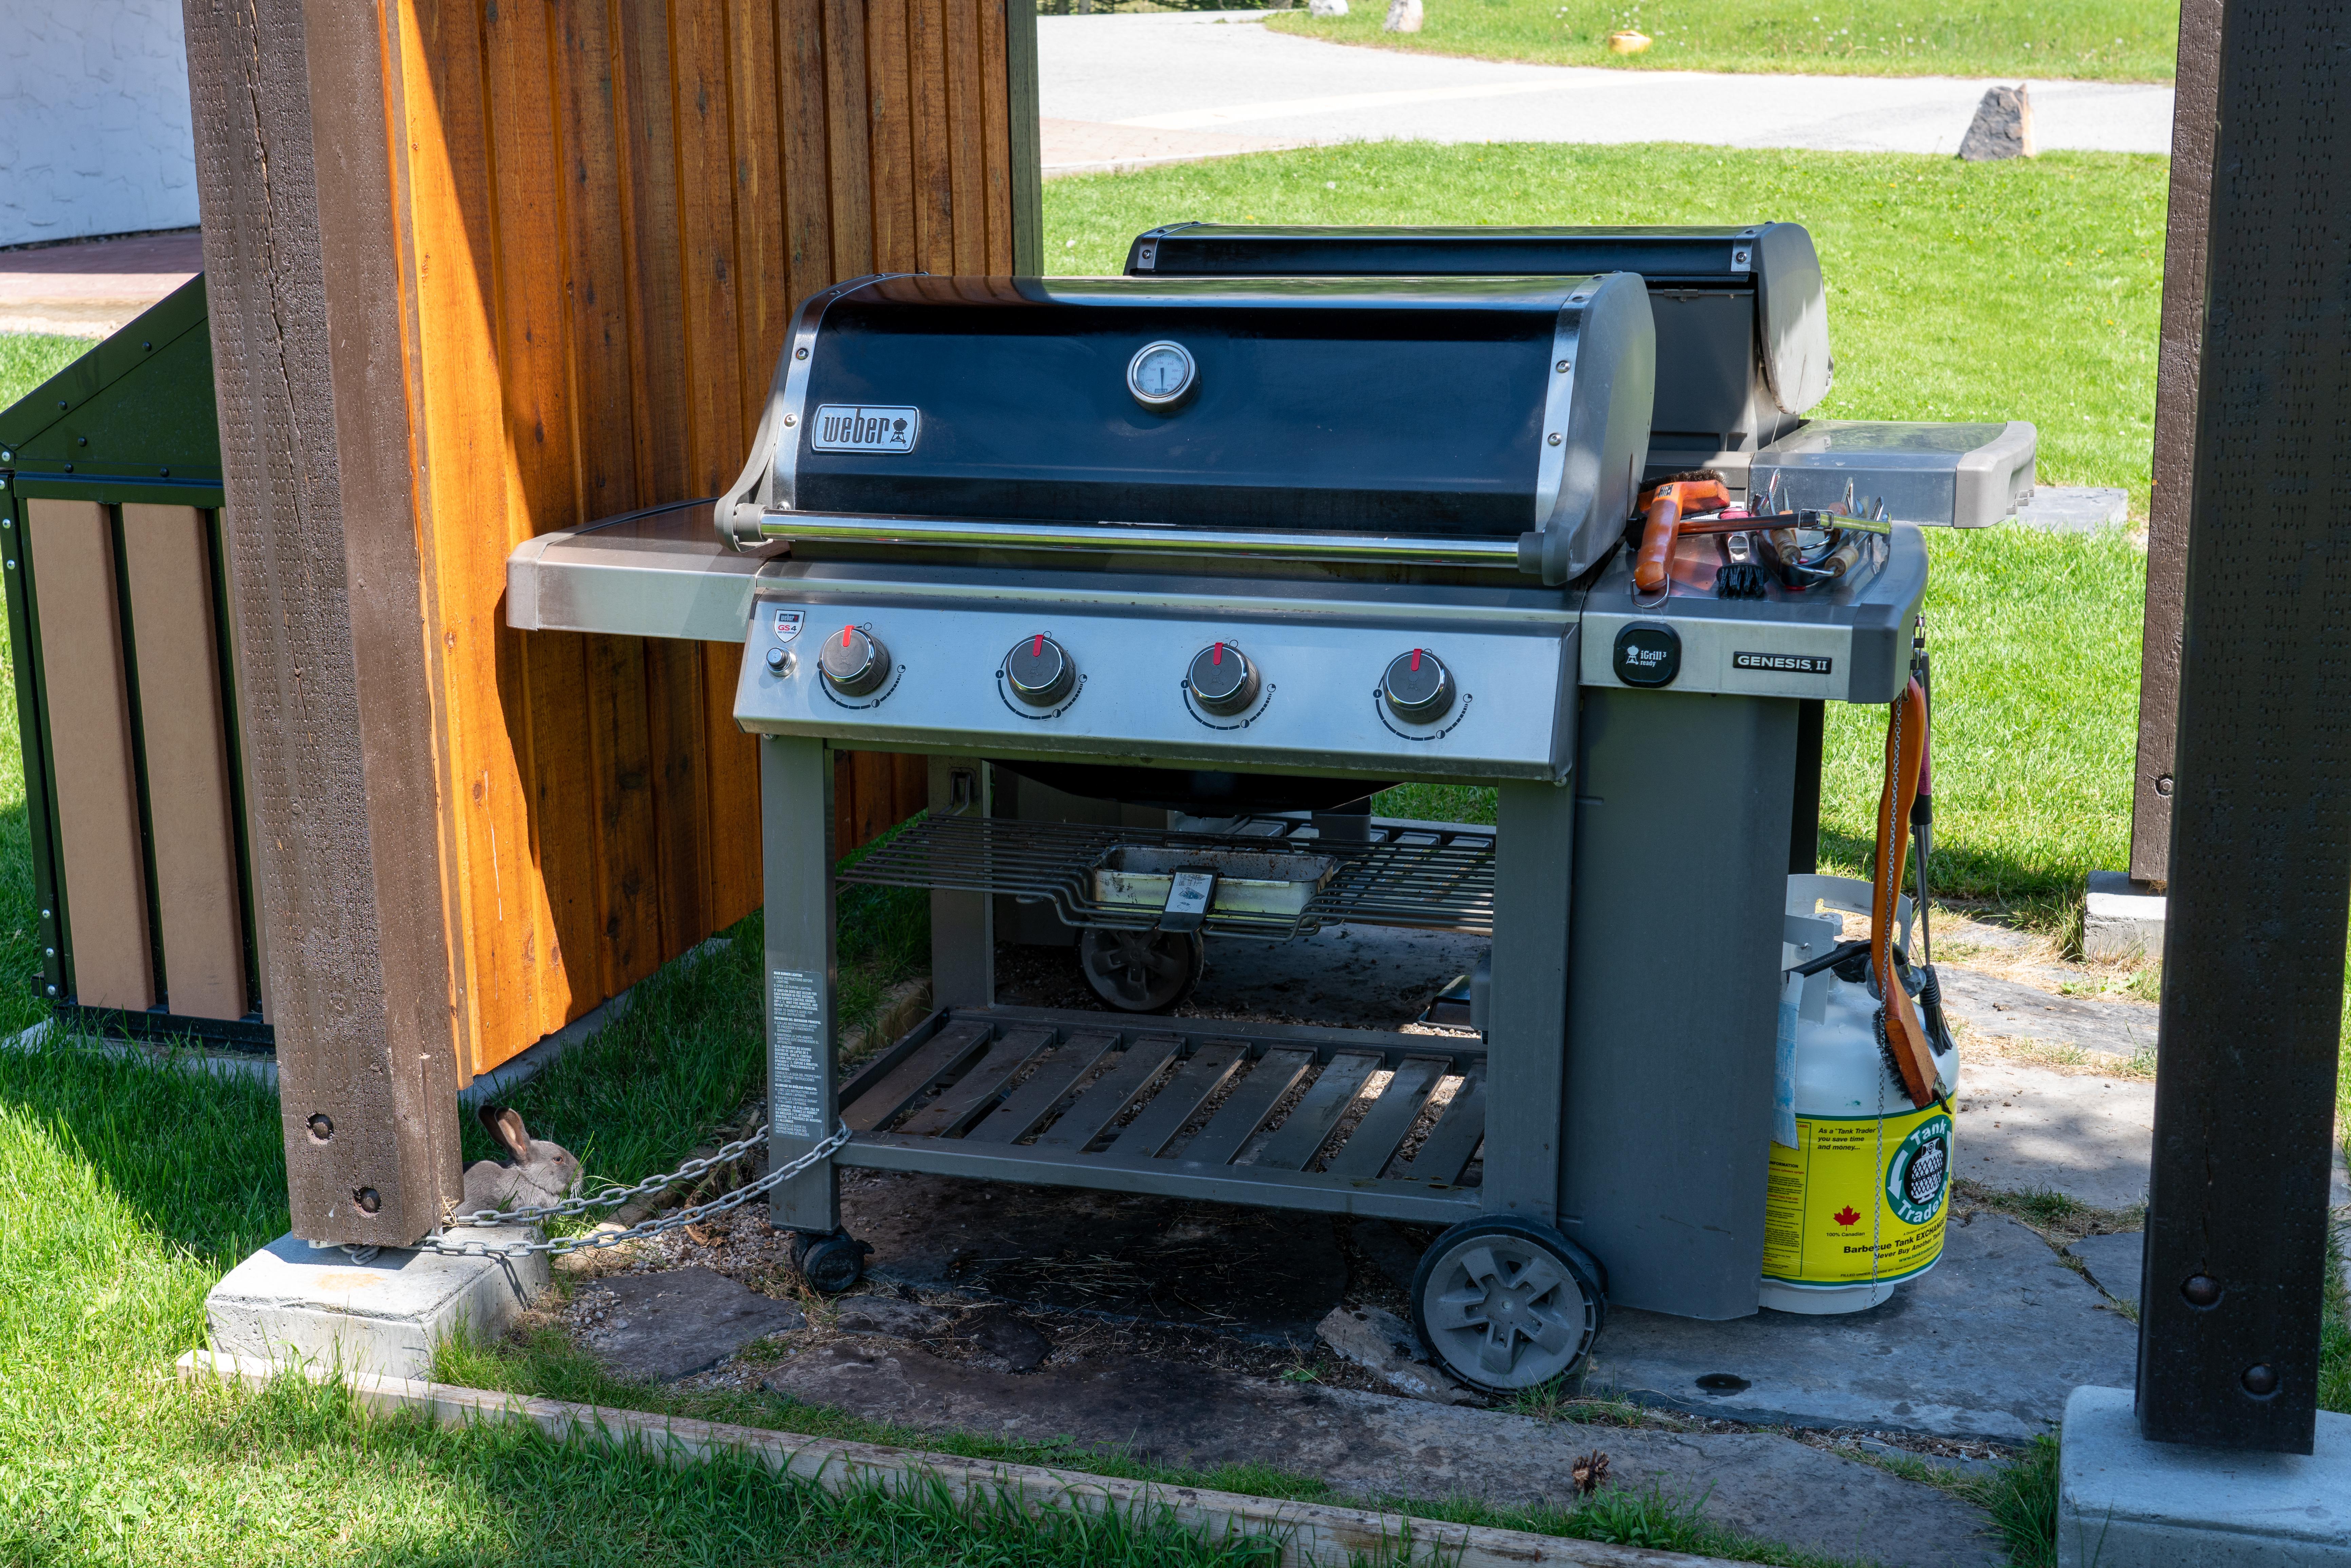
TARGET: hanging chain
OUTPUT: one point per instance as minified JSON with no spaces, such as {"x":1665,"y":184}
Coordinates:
{"x":440,"y":1241}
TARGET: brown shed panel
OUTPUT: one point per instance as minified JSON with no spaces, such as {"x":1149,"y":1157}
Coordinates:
{"x":92,"y":753}
{"x":199,"y":912}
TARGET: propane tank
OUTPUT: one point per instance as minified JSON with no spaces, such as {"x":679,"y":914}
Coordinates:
{"x":1860,"y":1177}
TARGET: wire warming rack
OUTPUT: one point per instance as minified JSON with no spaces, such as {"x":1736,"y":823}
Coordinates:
{"x":1429,"y":876}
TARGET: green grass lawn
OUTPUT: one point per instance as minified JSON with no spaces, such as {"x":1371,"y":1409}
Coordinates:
{"x":2103,"y":40}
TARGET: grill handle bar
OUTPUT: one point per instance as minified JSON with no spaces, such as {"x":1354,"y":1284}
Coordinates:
{"x":1131,"y":539}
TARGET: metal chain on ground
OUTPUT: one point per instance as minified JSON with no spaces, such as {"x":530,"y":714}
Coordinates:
{"x":439,"y":1241}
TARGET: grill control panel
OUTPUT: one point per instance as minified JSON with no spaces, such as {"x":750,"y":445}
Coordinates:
{"x":1337,"y":688}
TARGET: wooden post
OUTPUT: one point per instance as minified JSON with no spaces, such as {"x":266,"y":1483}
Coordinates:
{"x":293,"y":170}
{"x":2194,"y":104}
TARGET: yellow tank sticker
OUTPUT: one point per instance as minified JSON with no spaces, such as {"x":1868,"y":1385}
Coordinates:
{"x":1858,"y":1200}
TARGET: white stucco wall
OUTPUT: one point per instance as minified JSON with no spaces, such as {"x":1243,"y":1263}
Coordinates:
{"x":95,"y":136}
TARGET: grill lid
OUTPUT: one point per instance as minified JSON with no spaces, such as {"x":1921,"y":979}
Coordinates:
{"x":1494,"y":407}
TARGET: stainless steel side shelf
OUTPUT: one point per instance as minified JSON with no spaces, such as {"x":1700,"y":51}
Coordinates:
{"x":1426,"y":876}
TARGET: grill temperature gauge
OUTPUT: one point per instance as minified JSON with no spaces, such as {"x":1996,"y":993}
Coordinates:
{"x":1418,"y":687}
{"x":855,"y":664}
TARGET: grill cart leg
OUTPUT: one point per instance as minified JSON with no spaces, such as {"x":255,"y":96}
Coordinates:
{"x":962,"y":924}
{"x":796,"y":809}
{"x":1526,"y":1038}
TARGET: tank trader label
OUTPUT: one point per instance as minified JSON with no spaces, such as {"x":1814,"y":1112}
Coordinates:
{"x":795,"y":1054}
{"x":1858,"y":1200}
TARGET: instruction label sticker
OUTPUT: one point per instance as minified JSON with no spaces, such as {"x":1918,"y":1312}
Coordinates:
{"x":796,"y":1062}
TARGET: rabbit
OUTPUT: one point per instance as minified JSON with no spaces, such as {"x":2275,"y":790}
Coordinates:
{"x":542,"y":1173}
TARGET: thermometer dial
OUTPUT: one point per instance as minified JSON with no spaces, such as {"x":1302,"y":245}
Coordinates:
{"x":1162,"y":374}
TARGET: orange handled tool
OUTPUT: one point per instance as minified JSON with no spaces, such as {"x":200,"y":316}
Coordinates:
{"x":1907,"y":1047}
{"x":1667,"y":502}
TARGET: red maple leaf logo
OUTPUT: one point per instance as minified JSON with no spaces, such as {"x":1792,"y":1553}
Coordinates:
{"x":1848,"y":1215}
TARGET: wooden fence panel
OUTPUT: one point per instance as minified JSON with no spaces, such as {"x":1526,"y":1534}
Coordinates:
{"x":608,"y":210}
{"x":184,"y":724}
{"x":92,"y":753}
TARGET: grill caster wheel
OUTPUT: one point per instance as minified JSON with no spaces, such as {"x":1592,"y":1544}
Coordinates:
{"x":1140,"y":971}
{"x":1505,"y":1303}
{"x":830,"y":1264}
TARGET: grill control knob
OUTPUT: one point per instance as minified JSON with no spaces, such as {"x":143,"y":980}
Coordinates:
{"x":1418,"y":687}
{"x":1222,"y":679}
{"x":853,"y":664}
{"x":1039,"y":671}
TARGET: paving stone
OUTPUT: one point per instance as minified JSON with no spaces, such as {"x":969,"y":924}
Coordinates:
{"x":2075,"y":509}
{"x":661,"y":1327}
{"x":2027,"y":1129}
{"x":2112,"y":1261}
{"x":1940,"y":1357}
{"x":1370,"y":1445}
{"x":1384,"y":1344}
{"x":2109,"y":1025}
{"x":1265,"y":1274}
{"x":890,"y":1315}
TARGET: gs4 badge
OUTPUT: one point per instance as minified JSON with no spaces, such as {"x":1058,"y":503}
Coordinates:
{"x":1648,"y":654}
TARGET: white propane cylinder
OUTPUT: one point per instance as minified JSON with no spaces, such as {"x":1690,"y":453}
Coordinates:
{"x":1860,"y":1177}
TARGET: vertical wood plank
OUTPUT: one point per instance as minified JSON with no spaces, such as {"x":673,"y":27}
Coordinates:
{"x":681,"y":785}
{"x":468,"y":528}
{"x":996,"y":124}
{"x":928,"y":70}
{"x":199,"y":912}
{"x":527,"y":168}
{"x":890,"y":175}
{"x":630,"y":945}
{"x":762,"y":262}
{"x":850,"y":131}
{"x":713,"y":343}
{"x":98,"y":833}
{"x":1024,"y":152}
{"x":596,"y":283}
{"x":658,"y":345}
{"x":967,"y":139}
{"x":804,"y":113}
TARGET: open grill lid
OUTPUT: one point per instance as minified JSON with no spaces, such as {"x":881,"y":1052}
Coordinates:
{"x":1427,"y":407}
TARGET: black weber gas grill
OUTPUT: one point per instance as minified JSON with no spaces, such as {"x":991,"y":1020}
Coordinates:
{"x":1223,"y":555}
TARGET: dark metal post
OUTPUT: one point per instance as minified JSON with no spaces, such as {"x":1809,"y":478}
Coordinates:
{"x":2261,"y":860}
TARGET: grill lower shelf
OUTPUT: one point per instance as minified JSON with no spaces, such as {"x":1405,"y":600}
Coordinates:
{"x":1424,"y":875}
{"x":1335,"y":1120}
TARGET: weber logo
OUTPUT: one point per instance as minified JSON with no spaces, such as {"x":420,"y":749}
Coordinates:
{"x":1786,"y":664}
{"x":1648,"y":654}
{"x":847,"y":427}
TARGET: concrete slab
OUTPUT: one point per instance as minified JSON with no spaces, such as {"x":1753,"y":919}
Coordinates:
{"x":2029,"y":1129}
{"x":1941,"y":1357}
{"x":1262,"y":1274}
{"x":2124,"y":1502}
{"x":2121,"y":920}
{"x":2075,"y":509}
{"x":89,"y":289}
{"x":382,"y":1316}
{"x":2112,"y":1261}
{"x":657,"y":1328}
{"x":2111,"y":1025}
{"x":1373,"y":1447}
{"x":1385,"y":1345}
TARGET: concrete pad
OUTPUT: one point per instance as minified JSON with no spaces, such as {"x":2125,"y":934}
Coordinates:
{"x":2113,"y":1262}
{"x":2075,"y":509}
{"x":2029,"y":1129}
{"x":90,"y":288}
{"x":382,"y":1316}
{"x":2120,"y":919}
{"x":1373,"y":1447}
{"x":2111,"y":1025}
{"x":2124,"y":1502}
{"x":1941,"y":1357}
{"x":657,"y":1328}
{"x":1263,"y":1274}
{"x":680,"y":1322}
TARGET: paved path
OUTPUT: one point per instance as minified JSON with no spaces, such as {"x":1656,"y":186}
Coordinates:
{"x":1151,"y":84}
